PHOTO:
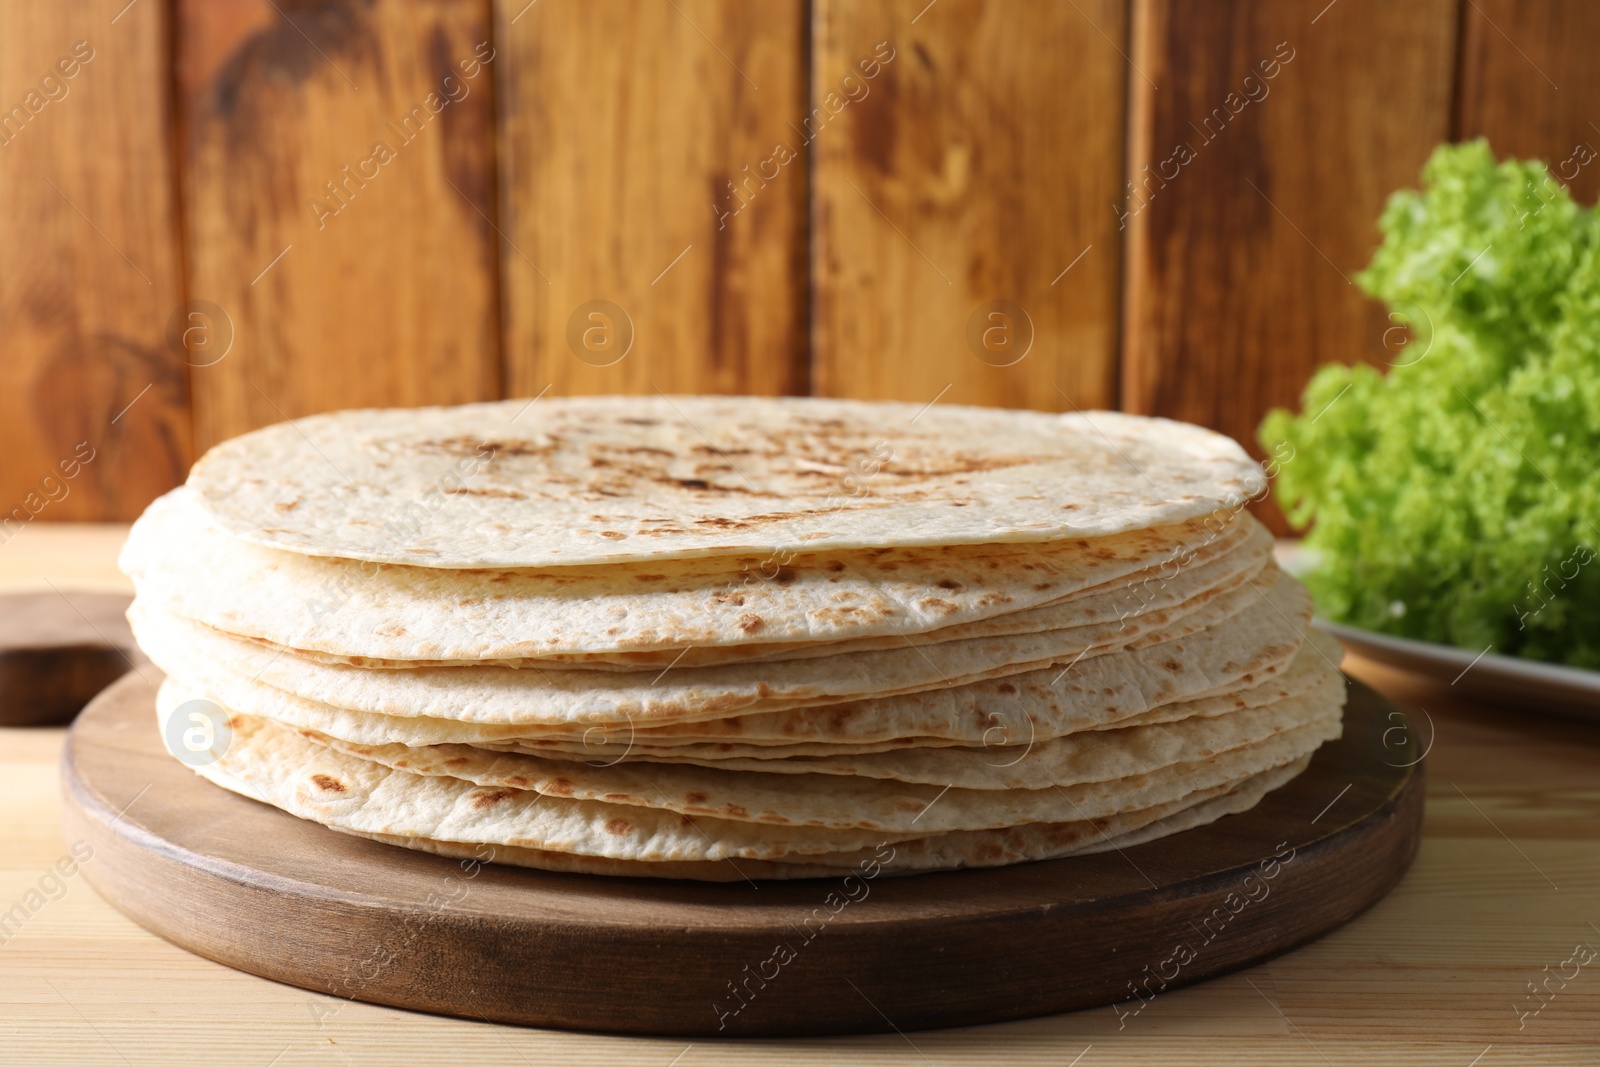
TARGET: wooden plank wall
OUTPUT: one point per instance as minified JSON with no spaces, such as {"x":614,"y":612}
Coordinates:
{"x":1530,"y":83}
{"x":339,"y":201}
{"x":89,"y":265}
{"x":1264,"y":144}
{"x":951,"y":198}
{"x":654,"y":242}
{"x":264,"y":208}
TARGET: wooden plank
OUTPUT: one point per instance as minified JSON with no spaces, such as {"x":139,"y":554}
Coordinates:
{"x":339,"y":191}
{"x":89,"y":265}
{"x":622,"y":125}
{"x":982,"y":162}
{"x":1529,"y":83}
{"x":1261,"y":196}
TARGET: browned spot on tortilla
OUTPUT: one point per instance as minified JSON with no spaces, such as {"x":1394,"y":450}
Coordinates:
{"x":484,"y":490}
{"x":948,"y":583}
{"x":612,"y":535}
{"x":560,"y":787}
{"x":750,"y":623}
{"x":695,"y":798}
{"x":327,"y":783}
{"x":1171,"y":665}
{"x":784,"y":576}
{"x":938,"y":606}
{"x":835,"y":565}
{"x":517,"y":780}
{"x":1007,"y":688}
{"x":648,"y":577}
{"x":618,"y":826}
{"x":455,"y":761}
{"x":491,"y":798}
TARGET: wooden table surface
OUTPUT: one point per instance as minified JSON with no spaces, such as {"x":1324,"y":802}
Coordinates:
{"x":1505,"y":889}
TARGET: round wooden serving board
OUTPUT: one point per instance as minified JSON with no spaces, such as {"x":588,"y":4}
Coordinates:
{"x":260,"y":890}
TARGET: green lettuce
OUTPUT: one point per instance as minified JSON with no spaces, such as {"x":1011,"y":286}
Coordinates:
{"x":1456,"y":498}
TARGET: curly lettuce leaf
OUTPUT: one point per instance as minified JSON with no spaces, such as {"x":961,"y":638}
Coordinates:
{"x":1457,"y":498}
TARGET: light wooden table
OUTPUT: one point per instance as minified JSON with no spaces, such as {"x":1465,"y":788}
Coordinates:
{"x":1506,"y":886}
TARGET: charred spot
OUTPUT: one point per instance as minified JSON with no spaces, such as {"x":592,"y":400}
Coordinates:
{"x":693,"y":483}
{"x":948,"y":583}
{"x":328,"y":783}
{"x":784,"y":576}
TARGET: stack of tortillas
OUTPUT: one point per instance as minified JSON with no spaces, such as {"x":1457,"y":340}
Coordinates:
{"x":729,"y":637}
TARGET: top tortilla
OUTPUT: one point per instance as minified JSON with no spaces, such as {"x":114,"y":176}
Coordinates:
{"x":586,"y":480}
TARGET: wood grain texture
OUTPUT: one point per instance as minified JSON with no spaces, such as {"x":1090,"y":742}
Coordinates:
{"x":1428,"y":976}
{"x":235,"y":880}
{"x":57,"y":650}
{"x":339,"y":202}
{"x":984,"y":160}
{"x":89,"y":265}
{"x":1529,"y":83}
{"x":622,"y":126}
{"x":1253,"y":201}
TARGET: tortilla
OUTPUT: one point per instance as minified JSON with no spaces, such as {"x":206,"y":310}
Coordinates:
{"x":289,"y":770}
{"x":588,"y":480}
{"x":719,"y":609}
{"x":980,"y":848}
